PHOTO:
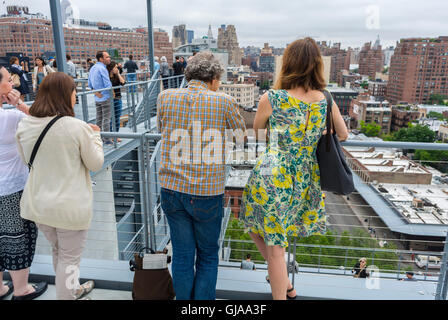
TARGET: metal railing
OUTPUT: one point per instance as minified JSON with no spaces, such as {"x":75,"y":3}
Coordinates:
{"x":139,"y":100}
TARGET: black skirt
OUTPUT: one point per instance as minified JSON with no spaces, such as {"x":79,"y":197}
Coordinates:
{"x":17,"y":235}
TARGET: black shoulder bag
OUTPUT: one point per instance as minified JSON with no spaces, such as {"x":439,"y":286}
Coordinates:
{"x":335,"y":175}
{"x":39,"y":141}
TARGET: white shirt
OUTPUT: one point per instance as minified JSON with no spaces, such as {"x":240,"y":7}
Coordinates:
{"x":13,"y":172}
{"x":59,"y":192}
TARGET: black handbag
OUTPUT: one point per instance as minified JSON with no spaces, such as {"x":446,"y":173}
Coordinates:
{"x":335,"y":174}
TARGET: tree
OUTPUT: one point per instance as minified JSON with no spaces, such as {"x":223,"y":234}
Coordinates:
{"x":435,"y":115}
{"x":415,"y":133}
{"x":365,"y":85}
{"x":370,"y":129}
{"x":435,"y":158}
{"x":438,"y":99}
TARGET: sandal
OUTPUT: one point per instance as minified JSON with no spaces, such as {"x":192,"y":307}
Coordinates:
{"x":86,"y":288}
{"x":267,"y":279}
{"x":288,"y":291}
{"x":10,"y":290}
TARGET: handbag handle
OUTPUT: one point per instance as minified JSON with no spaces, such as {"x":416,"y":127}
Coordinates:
{"x":329,"y":98}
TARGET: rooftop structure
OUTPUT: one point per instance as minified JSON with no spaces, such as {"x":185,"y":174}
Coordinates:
{"x":386,"y":166}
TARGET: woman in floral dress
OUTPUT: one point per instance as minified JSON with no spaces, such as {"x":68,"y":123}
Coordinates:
{"x":283,"y":197}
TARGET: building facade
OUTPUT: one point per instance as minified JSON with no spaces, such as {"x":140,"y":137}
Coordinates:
{"x":343,"y":98}
{"x":244,"y":94}
{"x":402,"y":115}
{"x":180,"y":35}
{"x":378,"y":89}
{"x":418,"y":69}
{"x":372,"y":111}
{"x":34,"y":36}
{"x":371,"y":60}
{"x":340,"y":59}
{"x":228,"y":41}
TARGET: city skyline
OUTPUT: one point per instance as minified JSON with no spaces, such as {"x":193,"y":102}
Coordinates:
{"x":347,"y":21}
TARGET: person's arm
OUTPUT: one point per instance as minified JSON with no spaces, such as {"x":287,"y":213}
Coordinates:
{"x":159,"y":112}
{"x":34,"y":78}
{"x":120,"y":77}
{"x":339,"y":123}
{"x":91,"y":147}
{"x":263,"y":114}
{"x":234,"y":119}
{"x":49,"y":69}
{"x":13,"y":98}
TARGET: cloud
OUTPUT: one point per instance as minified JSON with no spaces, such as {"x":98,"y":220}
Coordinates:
{"x":277,"y":22}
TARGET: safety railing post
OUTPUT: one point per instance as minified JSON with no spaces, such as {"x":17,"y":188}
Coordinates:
{"x":143,"y":191}
{"x":345,"y":261}
{"x":151,"y":172}
{"x":442,"y":285}
{"x":294,"y":262}
{"x":85,"y":108}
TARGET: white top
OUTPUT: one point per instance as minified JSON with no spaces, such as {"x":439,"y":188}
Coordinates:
{"x":59,"y":190}
{"x":13,"y":172}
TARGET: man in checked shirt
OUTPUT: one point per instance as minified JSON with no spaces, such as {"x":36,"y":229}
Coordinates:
{"x":193,"y":123}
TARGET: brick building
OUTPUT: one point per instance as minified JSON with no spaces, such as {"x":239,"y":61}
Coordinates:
{"x":371,"y":111}
{"x":340,"y":59}
{"x":402,"y":115}
{"x":378,"y":89}
{"x":371,"y":60}
{"x":34,"y":36}
{"x":418,"y":69}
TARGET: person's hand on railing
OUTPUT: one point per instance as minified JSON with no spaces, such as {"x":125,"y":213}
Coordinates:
{"x":94,"y":127}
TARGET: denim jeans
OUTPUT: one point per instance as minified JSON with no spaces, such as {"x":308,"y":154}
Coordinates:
{"x":118,"y":106}
{"x":132,"y":78}
{"x":195,"y":227}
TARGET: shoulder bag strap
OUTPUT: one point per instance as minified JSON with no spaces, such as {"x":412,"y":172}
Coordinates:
{"x":329,"y":98}
{"x":39,"y":141}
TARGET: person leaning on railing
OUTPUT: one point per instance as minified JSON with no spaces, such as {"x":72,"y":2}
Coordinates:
{"x":283,"y":197}
{"x":58,"y":195}
{"x":17,"y":235}
{"x":193,"y":186}
{"x":117,"y":80}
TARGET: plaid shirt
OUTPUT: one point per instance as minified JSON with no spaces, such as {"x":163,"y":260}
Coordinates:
{"x":188,"y":164}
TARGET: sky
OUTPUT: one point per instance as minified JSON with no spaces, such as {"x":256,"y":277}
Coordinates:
{"x":278,"y":22}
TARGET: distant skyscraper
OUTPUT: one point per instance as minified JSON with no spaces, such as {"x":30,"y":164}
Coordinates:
{"x":418,"y":69}
{"x":371,"y":59}
{"x":228,"y":40}
{"x":267,"y":60}
{"x":190,"y":35}
{"x":210,"y":33}
{"x":180,"y":36}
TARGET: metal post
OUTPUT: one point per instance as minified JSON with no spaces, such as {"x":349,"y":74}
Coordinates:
{"x":345,"y":262}
{"x":318,"y":263}
{"x":427,"y":266}
{"x":148,"y":194}
{"x":442,"y":285}
{"x":85,"y":108}
{"x":143,"y":191}
{"x":399,"y":265}
{"x":150,"y":36}
{"x":58,"y":34}
{"x":289,"y":255}
{"x":294,"y":262}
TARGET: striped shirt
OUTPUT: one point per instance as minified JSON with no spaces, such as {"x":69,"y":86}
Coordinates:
{"x":193,"y":123}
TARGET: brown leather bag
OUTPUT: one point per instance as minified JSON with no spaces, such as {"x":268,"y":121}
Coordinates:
{"x":151,"y":284}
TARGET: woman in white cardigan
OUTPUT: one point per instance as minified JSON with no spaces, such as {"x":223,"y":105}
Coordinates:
{"x":41,"y":70}
{"x":58,"y":195}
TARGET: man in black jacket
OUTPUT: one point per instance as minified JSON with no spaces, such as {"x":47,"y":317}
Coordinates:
{"x":178,"y":68}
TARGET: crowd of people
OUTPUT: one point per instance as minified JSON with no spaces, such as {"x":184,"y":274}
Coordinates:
{"x":45,"y":182}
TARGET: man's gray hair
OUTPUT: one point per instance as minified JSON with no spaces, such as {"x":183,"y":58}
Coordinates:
{"x":204,"y":66}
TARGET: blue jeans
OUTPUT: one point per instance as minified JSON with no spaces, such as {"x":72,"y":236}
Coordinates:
{"x":195,"y":227}
{"x":132,"y":77}
{"x":118,"y":106}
